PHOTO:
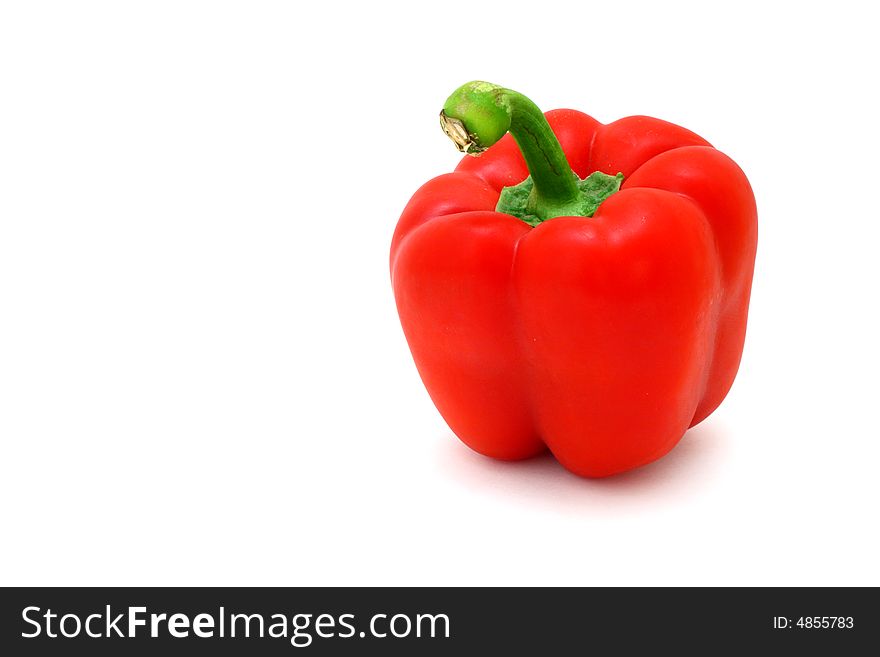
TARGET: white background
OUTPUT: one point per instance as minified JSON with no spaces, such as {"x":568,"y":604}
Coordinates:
{"x":202,"y":375}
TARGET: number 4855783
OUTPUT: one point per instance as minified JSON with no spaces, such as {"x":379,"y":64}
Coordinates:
{"x":824,"y":622}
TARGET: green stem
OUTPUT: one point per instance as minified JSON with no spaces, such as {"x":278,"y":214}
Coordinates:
{"x":478,"y":114}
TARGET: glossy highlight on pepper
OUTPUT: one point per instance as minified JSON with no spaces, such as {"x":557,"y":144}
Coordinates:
{"x":575,"y":286}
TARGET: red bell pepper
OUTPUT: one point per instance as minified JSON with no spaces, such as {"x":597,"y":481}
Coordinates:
{"x":536,"y":319}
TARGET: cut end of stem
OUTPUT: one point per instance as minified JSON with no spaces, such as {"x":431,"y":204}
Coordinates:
{"x":459,"y":135}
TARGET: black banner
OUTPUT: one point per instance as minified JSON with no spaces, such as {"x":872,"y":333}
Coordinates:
{"x":436,"y":621}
